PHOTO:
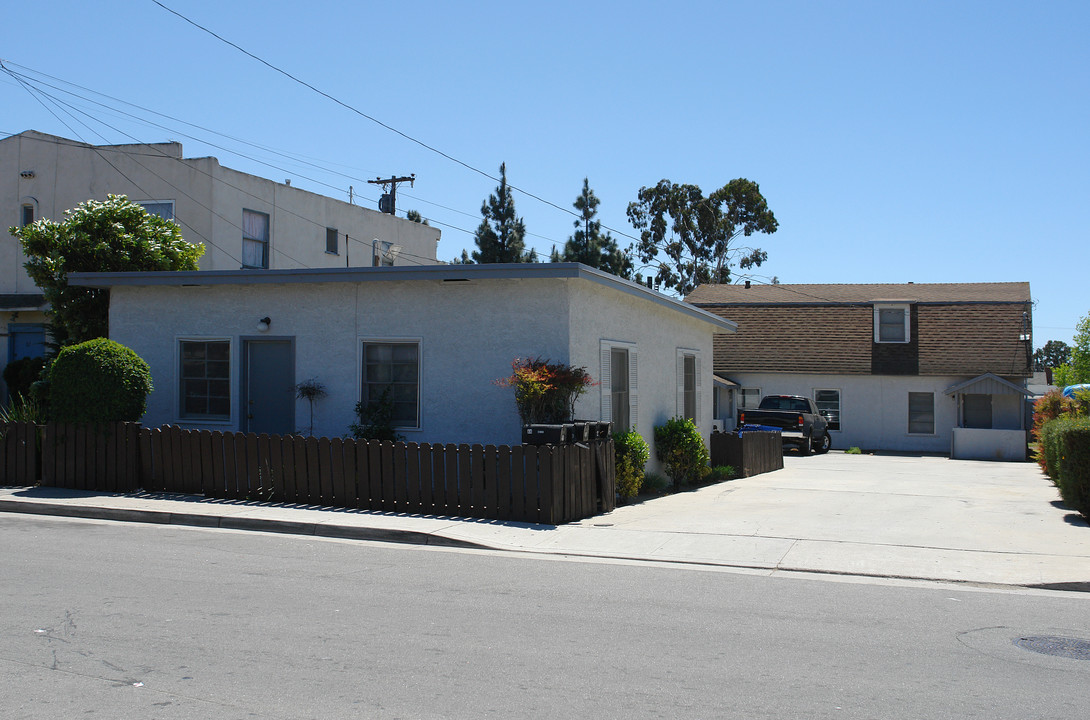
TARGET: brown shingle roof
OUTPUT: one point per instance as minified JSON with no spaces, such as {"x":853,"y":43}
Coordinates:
{"x":861,"y":293}
{"x":963,"y":328}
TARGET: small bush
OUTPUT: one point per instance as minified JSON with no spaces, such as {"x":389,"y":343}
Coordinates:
{"x":681,"y":450}
{"x":376,"y":420}
{"x":20,"y":374}
{"x":853,"y":450}
{"x":654,"y":482}
{"x":719,"y":473}
{"x":23,"y":409}
{"x":98,"y":381}
{"x":631,"y":454}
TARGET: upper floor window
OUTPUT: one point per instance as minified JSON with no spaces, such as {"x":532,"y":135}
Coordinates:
{"x":162,"y":208}
{"x":26,"y":217}
{"x":255,"y":239}
{"x":891,"y":323}
{"x":331,"y":240}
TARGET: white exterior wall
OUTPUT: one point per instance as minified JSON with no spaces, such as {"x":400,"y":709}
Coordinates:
{"x":657,"y":334}
{"x":873,"y":408}
{"x":469,"y":332}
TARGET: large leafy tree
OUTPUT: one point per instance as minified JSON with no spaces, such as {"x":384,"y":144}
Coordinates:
{"x":1054,"y":354}
{"x":1080,"y":352}
{"x":501,"y":236}
{"x":588,"y":245}
{"x":692,"y":239}
{"x":97,"y":236}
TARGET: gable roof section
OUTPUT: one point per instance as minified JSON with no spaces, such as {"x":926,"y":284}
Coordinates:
{"x":960,"y":328}
{"x":433,"y":273}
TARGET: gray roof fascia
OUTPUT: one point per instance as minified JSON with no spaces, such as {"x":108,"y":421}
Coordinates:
{"x":989,"y":383}
{"x":404,"y":273}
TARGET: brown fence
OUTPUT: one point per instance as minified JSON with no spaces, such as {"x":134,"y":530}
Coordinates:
{"x":18,"y":453}
{"x":91,"y":457}
{"x":542,"y":484}
{"x":751,"y":453}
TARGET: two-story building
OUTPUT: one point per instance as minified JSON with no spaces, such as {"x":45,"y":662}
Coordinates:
{"x":898,"y":367}
{"x":243,"y":221}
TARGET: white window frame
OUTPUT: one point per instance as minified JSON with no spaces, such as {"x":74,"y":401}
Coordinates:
{"x":179,"y":380}
{"x":266,"y":241}
{"x":682,"y":391}
{"x":741,"y":397}
{"x":364,"y":341}
{"x":839,"y":406}
{"x":909,"y":413}
{"x":605,"y":381}
{"x":906,"y":309}
{"x":144,"y":204}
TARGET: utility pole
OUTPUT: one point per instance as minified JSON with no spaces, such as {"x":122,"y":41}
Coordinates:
{"x":388,"y":202}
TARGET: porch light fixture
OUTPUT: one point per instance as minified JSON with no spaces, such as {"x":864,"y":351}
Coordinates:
{"x":263,"y":324}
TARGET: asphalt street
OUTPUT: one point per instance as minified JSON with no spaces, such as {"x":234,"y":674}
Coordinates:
{"x":157,"y":621}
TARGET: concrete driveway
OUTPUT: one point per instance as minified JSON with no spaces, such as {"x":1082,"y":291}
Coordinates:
{"x":888,"y":516}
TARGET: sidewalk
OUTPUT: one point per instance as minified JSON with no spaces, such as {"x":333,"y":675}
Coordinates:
{"x":925,"y":518}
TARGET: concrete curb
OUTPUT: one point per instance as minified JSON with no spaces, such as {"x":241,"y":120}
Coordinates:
{"x":288,"y":527}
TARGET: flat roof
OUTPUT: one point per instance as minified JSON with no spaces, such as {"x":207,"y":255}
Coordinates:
{"x":401,"y":273}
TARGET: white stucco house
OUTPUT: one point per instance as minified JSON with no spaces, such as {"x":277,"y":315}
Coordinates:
{"x":243,"y":221}
{"x":914,"y":367}
{"x":227,"y":348}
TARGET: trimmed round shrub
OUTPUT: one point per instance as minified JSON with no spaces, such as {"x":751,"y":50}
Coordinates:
{"x":681,"y":449}
{"x":98,"y":381}
{"x":631,"y":454}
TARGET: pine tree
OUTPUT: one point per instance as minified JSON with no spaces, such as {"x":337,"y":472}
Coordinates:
{"x":588,"y":245}
{"x":501,"y":235}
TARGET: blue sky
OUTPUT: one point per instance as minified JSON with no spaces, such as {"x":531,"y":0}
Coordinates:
{"x":895,"y":142}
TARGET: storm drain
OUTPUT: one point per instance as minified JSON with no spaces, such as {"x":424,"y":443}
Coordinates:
{"x":1072,"y":648}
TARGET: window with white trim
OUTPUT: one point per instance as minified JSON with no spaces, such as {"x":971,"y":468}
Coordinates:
{"x":828,"y":404}
{"x":891,"y":323}
{"x":162,"y":208}
{"x":391,"y":370}
{"x":749,"y":398}
{"x":204,"y":379}
{"x":617,"y":380}
{"x":255,"y":239}
{"x":688,"y":384}
{"x":921,"y":413}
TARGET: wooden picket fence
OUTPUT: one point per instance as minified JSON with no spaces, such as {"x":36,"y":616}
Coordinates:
{"x":542,"y":484}
{"x":751,"y":453}
{"x":18,"y":453}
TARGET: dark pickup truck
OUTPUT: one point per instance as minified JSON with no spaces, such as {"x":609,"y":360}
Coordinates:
{"x":797,"y":417}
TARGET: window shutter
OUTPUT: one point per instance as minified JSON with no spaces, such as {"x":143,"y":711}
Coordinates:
{"x":679,"y":408}
{"x":633,"y":395}
{"x":698,"y":389}
{"x":605,"y":383}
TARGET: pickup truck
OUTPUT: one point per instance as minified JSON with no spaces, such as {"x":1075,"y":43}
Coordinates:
{"x":798,"y":418}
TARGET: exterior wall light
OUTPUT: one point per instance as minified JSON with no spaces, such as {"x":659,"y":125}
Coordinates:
{"x":263,"y":324}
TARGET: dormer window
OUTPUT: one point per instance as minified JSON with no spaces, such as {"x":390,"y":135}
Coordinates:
{"x":891,"y":323}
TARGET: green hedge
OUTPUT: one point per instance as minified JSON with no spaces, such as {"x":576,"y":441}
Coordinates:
{"x":98,"y":381}
{"x":680,"y":447}
{"x":1065,"y":443}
